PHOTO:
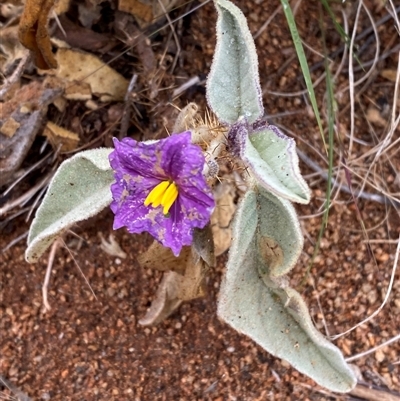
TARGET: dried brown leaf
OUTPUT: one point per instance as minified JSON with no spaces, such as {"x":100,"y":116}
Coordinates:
{"x":139,"y":9}
{"x":33,"y":32}
{"x":389,"y":74}
{"x":160,"y":258}
{"x":374,"y":116}
{"x":78,"y":90}
{"x":9,"y":127}
{"x":84,"y":67}
{"x":165,"y":301}
{"x":175,"y":287}
{"x":203,"y":245}
{"x":191,"y":285}
{"x":61,"y":138}
{"x":146,"y":11}
{"x":79,"y":37}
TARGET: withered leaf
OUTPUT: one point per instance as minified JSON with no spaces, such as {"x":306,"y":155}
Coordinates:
{"x":174,"y":289}
{"x":164,"y":303}
{"x":160,"y":258}
{"x":33,"y":32}
{"x":146,"y":11}
{"x":61,"y":138}
{"x":140,"y":10}
{"x":79,"y":66}
{"x":9,"y":127}
{"x":178,"y":287}
{"x":203,"y":245}
{"x":191,"y":285}
{"x":82,"y":38}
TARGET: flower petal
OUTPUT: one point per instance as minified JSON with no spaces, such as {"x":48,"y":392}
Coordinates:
{"x":137,"y":158}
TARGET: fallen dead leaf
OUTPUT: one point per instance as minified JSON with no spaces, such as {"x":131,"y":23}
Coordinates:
{"x":79,"y":37}
{"x":78,"y":90}
{"x":60,"y":138}
{"x":9,"y":127}
{"x":141,"y":10}
{"x":60,"y":103}
{"x":374,"y":116}
{"x":26,"y":94}
{"x":389,"y":74}
{"x":104,"y":81}
{"x":33,"y":32}
{"x":191,"y":285}
{"x":146,"y":11}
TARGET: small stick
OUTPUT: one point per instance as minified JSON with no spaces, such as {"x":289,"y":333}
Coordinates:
{"x":127,"y":114}
{"x":170,"y":23}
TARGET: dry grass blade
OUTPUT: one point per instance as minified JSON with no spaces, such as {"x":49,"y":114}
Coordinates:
{"x":20,"y":396}
{"x":377,"y":311}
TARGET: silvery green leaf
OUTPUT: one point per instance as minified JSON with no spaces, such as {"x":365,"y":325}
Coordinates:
{"x":269,"y":312}
{"x":79,"y":189}
{"x":272,"y":159}
{"x":279,"y":239}
{"x":233,"y":85}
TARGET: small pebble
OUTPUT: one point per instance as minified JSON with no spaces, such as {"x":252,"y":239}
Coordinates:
{"x":379,"y":355}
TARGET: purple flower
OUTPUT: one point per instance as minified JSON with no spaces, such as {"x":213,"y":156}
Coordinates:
{"x":160,"y":188}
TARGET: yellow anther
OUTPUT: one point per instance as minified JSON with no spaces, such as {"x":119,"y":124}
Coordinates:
{"x":155,"y":196}
{"x":169,"y":197}
{"x":164,"y":194}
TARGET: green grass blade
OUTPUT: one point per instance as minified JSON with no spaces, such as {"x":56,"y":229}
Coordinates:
{"x":303,"y":63}
{"x":338,"y":27}
{"x":345,"y":37}
{"x":330,"y":97}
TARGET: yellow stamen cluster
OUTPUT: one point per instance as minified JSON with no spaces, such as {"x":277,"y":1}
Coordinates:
{"x":164,"y":194}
